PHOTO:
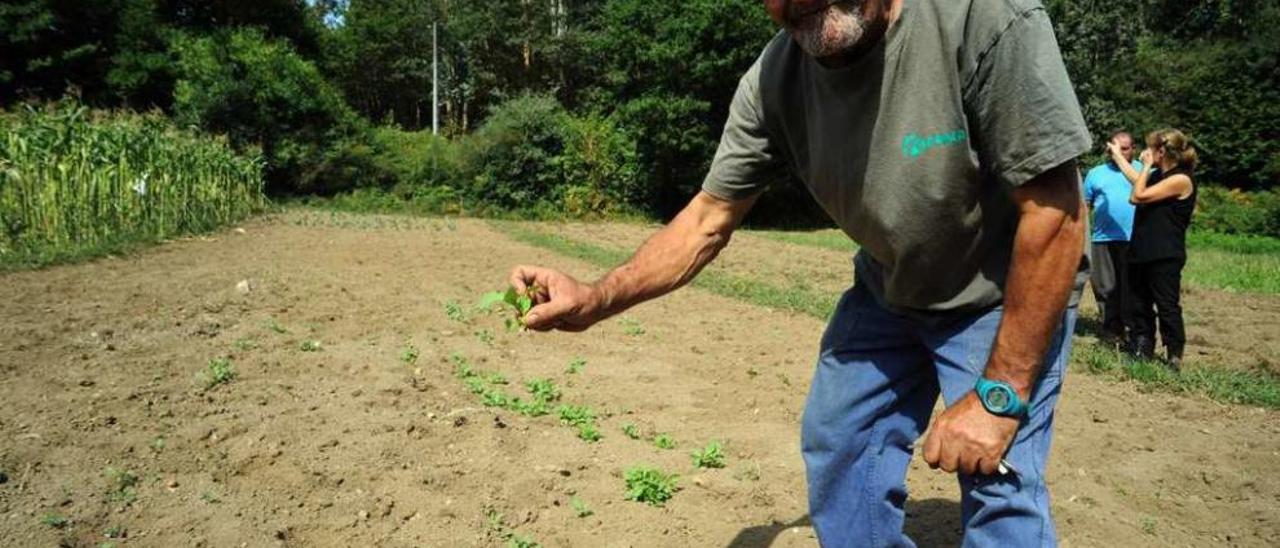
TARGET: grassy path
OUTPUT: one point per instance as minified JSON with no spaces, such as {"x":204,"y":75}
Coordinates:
{"x":1218,"y":383}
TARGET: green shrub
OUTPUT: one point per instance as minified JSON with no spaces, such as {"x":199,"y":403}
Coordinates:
{"x":259,"y":91}
{"x":1236,"y":212}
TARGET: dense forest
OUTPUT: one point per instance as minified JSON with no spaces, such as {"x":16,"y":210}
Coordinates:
{"x":581,"y":105}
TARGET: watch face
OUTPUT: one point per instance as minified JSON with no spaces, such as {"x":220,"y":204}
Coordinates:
{"x":998,"y":399}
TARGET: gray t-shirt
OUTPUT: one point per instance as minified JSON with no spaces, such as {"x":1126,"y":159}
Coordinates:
{"x":914,"y":149}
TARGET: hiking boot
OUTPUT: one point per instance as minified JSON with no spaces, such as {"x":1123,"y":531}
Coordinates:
{"x":1174,"y":363}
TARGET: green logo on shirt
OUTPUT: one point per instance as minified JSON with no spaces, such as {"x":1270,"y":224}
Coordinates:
{"x":914,"y":146}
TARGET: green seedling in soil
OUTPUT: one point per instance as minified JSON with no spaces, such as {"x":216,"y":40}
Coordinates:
{"x":664,"y":441}
{"x":630,"y":430}
{"x":409,"y":354}
{"x":494,"y":398}
{"x":534,"y":408}
{"x":475,"y":385}
{"x":123,"y":486}
{"x":497,"y":378}
{"x":498,"y":525}
{"x":217,"y":371}
{"x":576,"y":415}
{"x":1149,"y":525}
{"x":115,"y":531}
{"x":580,"y":508}
{"x":589,"y":433}
{"x":157,"y":444}
{"x":632,"y":327}
{"x":461,"y":366}
{"x":521,"y":541}
{"x":711,"y":456}
{"x":650,"y":485}
{"x":485,"y":336}
{"x":310,"y":346}
{"x":455,"y":312}
{"x":245,"y":344}
{"x":275,"y":326}
{"x":55,"y":521}
{"x":543,"y":389}
{"x":209,"y":498}
{"x":517,"y":302}
{"x":576,"y":366}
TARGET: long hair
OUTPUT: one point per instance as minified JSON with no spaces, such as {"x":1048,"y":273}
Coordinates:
{"x":1176,"y":145}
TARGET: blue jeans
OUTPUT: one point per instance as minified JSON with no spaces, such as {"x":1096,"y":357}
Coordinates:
{"x":878,"y":377}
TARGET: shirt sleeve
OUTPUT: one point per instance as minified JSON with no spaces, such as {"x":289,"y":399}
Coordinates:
{"x":1021,"y":103}
{"x":748,"y":159}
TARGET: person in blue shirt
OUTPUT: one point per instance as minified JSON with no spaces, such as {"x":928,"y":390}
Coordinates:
{"x":1106,"y":190}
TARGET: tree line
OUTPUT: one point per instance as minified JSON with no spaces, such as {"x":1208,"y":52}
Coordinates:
{"x":331,"y":91}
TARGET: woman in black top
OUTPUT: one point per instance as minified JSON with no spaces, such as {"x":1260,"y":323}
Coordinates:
{"x":1166,"y":198}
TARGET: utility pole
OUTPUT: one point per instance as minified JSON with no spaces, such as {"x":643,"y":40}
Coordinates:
{"x":435,"y":79}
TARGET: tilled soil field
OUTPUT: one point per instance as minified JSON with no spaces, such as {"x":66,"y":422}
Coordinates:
{"x":346,"y":425}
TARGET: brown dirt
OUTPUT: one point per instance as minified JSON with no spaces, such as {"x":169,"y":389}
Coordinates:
{"x":350,"y":446}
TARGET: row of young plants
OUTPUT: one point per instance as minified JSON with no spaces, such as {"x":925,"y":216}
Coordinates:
{"x":76,"y":182}
{"x":540,"y":396}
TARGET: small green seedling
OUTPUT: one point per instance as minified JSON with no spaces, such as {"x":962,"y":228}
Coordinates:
{"x":123,"y":486}
{"x":275,"y":326}
{"x":55,"y":521}
{"x":664,"y":441}
{"x":630,"y":430}
{"x":485,"y":336}
{"x":455,"y":312}
{"x":157,"y":444}
{"x":576,"y":366}
{"x":650,"y":485}
{"x":310,"y":346}
{"x":518,"y":302}
{"x":245,"y":344}
{"x":589,"y":433}
{"x":475,"y":385}
{"x":217,"y":371}
{"x":494,"y":398}
{"x":115,"y":531}
{"x":576,"y":415}
{"x":208,"y":497}
{"x":461,"y":366}
{"x":534,"y":408}
{"x":496,"y":378}
{"x":543,"y":389}
{"x":409,"y":354}
{"x":579,"y":507}
{"x":711,"y":456}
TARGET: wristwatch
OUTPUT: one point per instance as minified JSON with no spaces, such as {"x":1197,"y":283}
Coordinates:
{"x":1000,"y":399}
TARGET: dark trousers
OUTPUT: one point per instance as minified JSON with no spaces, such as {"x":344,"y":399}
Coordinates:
{"x":1156,"y":292}
{"x":1108,"y":276}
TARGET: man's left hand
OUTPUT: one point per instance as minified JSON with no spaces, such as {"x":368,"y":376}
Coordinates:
{"x":968,"y":438}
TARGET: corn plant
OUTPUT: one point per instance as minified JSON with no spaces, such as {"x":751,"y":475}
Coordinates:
{"x":72,"y":180}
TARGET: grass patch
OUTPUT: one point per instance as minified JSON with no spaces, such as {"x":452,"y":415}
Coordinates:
{"x":1258,"y":388}
{"x":1233,"y":271}
{"x":1236,"y":243}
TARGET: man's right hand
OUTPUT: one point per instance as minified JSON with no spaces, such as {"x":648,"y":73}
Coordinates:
{"x":561,"y":302}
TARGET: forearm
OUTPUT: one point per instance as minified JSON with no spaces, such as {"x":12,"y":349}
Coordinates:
{"x":1046,"y":254}
{"x":673,"y":256}
{"x":1138,"y":193}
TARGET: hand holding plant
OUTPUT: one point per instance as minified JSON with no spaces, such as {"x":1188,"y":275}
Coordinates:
{"x":559,"y":301}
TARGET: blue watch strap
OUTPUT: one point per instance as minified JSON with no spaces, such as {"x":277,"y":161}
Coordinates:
{"x":999,"y":398}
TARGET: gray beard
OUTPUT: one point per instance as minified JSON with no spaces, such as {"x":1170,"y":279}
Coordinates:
{"x":836,"y":30}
